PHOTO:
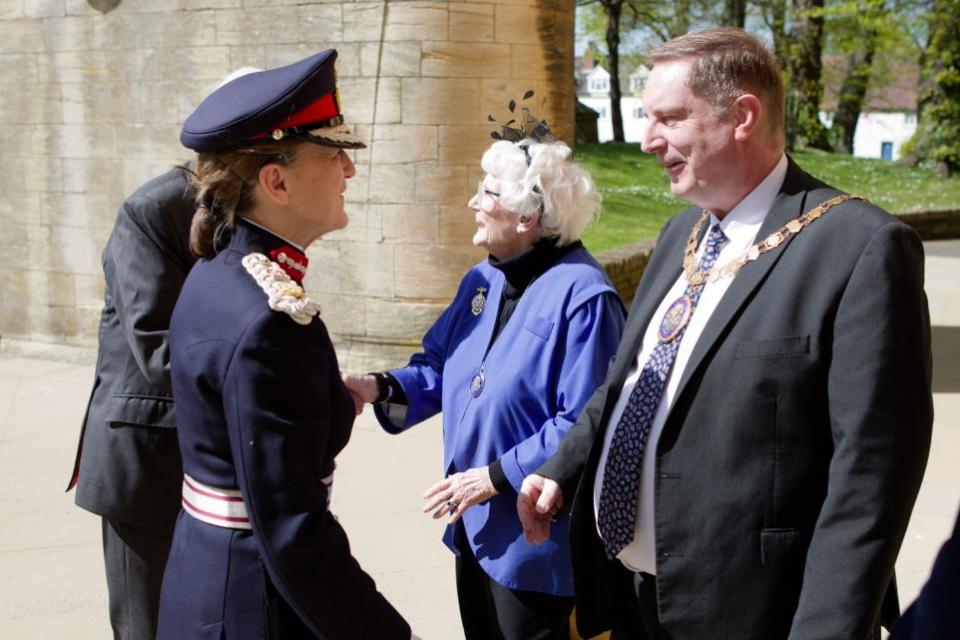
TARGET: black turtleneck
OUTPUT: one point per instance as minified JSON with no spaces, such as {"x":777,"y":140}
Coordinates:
{"x":519,"y":272}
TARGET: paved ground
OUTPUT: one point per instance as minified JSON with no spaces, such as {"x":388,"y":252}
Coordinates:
{"x":51,"y":580}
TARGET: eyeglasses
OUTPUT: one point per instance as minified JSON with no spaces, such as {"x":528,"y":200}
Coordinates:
{"x":486,"y":198}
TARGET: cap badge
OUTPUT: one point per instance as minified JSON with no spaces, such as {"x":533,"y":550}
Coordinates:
{"x":283,"y":294}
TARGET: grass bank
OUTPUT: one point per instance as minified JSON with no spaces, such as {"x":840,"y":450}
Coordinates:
{"x":637,"y":199}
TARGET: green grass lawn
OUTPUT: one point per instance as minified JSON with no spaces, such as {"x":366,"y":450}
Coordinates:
{"x":637,"y":199}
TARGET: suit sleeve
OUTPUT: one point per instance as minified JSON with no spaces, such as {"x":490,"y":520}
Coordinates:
{"x":592,"y":333}
{"x":146,"y":275}
{"x":278,"y":406}
{"x":881,"y":414}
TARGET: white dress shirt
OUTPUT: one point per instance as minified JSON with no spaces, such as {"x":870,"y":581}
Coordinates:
{"x":740,"y":226}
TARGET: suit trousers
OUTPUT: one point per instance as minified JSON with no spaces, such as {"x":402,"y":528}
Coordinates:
{"x":491,"y":611}
{"x":134,"y":558}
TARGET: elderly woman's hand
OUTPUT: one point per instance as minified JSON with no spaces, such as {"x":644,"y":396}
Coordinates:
{"x":457,"y":493}
{"x":362,"y":388}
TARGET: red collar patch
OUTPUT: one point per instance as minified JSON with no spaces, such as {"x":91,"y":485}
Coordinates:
{"x":292,"y":261}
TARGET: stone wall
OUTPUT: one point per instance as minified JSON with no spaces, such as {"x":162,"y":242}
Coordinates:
{"x":92,"y":104}
{"x":935,"y":224}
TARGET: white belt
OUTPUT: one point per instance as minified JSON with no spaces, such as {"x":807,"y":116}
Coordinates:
{"x":223,"y":507}
{"x":220,"y":507}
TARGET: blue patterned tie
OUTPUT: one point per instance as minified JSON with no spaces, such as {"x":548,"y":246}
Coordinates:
{"x":617,"y":513}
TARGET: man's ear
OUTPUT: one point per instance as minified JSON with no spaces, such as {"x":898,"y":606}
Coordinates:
{"x":748,"y":110}
{"x":272,"y":179}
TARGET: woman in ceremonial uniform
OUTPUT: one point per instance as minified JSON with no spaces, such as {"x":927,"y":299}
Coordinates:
{"x":261,"y":409}
{"x":510,"y":363}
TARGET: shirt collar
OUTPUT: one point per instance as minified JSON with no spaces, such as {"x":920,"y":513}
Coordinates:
{"x":743,"y":221}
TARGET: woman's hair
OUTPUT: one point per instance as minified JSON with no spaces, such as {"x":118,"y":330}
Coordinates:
{"x":224,"y":182}
{"x":550,"y":182}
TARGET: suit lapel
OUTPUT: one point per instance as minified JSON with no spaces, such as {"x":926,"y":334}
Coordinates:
{"x":787,"y":205}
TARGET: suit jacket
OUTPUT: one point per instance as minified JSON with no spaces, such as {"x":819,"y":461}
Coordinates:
{"x":791,"y":458}
{"x":128,"y":466}
{"x":934,"y":615}
{"x":262,"y":409}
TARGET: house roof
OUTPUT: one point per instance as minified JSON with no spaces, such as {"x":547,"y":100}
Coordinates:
{"x":894,"y":90}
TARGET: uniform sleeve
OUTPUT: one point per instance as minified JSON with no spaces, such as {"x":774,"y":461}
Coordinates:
{"x":592,"y":334}
{"x":278,"y":404}
{"x":881,"y":414}
{"x":145,"y":274}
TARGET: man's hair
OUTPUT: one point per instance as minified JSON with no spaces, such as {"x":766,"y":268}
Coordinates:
{"x":727,"y":63}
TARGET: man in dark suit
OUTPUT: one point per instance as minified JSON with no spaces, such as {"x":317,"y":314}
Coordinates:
{"x":935,"y":615}
{"x":127,"y":468}
{"x":748,"y":467}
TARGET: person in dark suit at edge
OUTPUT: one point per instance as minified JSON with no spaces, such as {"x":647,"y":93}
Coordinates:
{"x":748,"y":468}
{"x":127,"y":467}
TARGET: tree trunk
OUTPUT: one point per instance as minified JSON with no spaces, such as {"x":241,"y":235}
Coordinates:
{"x":614,"y":9}
{"x":734,"y":13}
{"x":806,"y":89}
{"x":852,"y":92}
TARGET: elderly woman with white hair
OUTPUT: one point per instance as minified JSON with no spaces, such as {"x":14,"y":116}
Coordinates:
{"x":510,"y":363}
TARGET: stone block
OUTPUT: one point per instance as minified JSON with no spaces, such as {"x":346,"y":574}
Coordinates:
{"x":55,"y":286}
{"x":359,"y":186}
{"x":465,"y":60}
{"x":71,"y":33}
{"x":400,"y":319}
{"x":440,"y":101}
{"x":48,"y":322}
{"x":327,"y":273}
{"x":389,"y":104}
{"x":432,"y":275}
{"x":19,"y":68}
{"x":79,"y":8}
{"x":21,"y":36}
{"x":471,"y":22}
{"x":209,"y":63}
{"x":416,"y":21}
{"x":16,"y":286}
{"x":87,"y":324}
{"x":44,"y":8}
{"x":100,"y":103}
{"x":193,"y":5}
{"x":133,"y":67}
{"x":77,"y":209}
{"x":529,"y":62}
{"x":394,"y":59}
{"x":268,"y":26}
{"x":392,"y":183}
{"x":356,"y":229}
{"x":464,"y":144}
{"x":32,"y":104}
{"x":357,"y":95}
{"x":16,"y":140}
{"x":342,"y":313}
{"x":11,"y":9}
{"x":398,"y":144}
{"x":88,"y":290}
{"x":457,"y":224}
{"x":363,"y":21}
{"x":93,"y":175}
{"x":517,"y":23}
{"x":14,"y":319}
{"x":442,"y":184}
{"x":159,"y":103}
{"x":248,"y":56}
{"x":75,"y":141}
{"x":70,"y":249}
{"x":41,"y":174}
{"x":411,"y":224}
{"x":22,"y":206}
{"x":320,"y":23}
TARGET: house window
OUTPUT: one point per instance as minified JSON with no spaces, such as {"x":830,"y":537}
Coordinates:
{"x":599,"y":84}
{"x":638,"y":112}
{"x":886,"y":150}
{"x":910,"y":118}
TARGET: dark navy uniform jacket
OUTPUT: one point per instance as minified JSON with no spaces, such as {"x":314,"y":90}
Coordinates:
{"x":261,"y":407}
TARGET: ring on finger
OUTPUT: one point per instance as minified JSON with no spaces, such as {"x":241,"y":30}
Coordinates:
{"x":452,"y":505}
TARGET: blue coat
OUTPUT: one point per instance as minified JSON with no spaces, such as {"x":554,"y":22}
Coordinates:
{"x":538,"y":374}
{"x":261,"y":407}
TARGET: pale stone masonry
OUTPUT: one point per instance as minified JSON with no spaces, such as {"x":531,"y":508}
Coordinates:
{"x":91,"y":106}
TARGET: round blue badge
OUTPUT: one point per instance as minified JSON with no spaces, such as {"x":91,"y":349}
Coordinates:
{"x":476,"y":384}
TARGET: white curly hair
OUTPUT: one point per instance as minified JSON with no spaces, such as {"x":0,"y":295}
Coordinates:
{"x":548,"y":178}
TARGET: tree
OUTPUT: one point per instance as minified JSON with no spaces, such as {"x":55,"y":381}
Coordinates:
{"x":734,"y":13}
{"x":938,"y":132}
{"x":805,"y":88}
{"x":612,"y":11}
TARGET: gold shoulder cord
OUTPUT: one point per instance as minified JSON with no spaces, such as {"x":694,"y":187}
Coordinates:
{"x":772,"y":241}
